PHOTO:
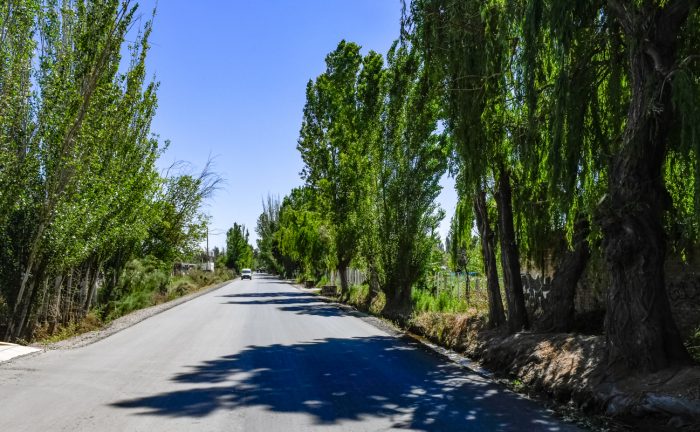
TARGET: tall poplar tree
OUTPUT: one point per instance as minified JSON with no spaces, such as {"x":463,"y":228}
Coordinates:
{"x":335,"y":163}
{"x":413,"y":159}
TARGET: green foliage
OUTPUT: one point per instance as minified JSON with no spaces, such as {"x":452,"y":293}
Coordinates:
{"x":358,"y":295}
{"x":446,"y":292}
{"x":147,"y":282}
{"x":140,"y":280}
{"x":586,"y":106}
{"x":304,"y":236}
{"x":177,"y":226}
{"x":693,"y":344}
{"x":269,"y":253}
{"x":414,"y":157}
{"x":80,"y":195}
{"x":463,"y":247}
{"x":443,"y":301}
{"x":239,"y":254}
{"x":373,"y":160}
{"x":334,"y":163}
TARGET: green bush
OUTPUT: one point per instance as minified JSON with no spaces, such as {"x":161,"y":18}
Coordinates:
{"x":202,"y":278}
{"x":147,"y":282}
{"x":693,"y":345}
{"x":323,"y":281}
{"x":140,"y":281}
{"x":181,"y":288}
{"x":444,"y":301}
{"x":357,"y":294}
{"x":133,"y":301}
{"x":4,"y":308}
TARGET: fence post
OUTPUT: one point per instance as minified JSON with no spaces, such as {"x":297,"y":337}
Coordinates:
{"x":466,"y":286}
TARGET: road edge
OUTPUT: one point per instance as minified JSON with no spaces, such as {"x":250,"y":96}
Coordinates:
{"x":123,"y":322}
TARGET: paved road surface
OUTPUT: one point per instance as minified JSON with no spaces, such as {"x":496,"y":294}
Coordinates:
{"x":254,"y":356}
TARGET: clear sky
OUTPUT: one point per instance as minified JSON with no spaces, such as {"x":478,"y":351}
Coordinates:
{"x":232,"y":80}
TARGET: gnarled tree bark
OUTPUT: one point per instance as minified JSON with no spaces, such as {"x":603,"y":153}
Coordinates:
{"x":559,"y":311}
{"x":641,"y":334}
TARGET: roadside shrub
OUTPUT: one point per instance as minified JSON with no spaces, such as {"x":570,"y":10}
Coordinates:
{"x":181,"y":288}
{"x":323,"y":281}
{"x":4,"y":310}
{"x":357,"y":294}
{"x":443,"y":301}
{"x":133,"y":301}
{"x":202,"y":278}
{"x":147,"y":275}
{"x":224,"y":274}
{"x":693,"y":345}
{"x":91,"y":322}
{"x":357,"y":297}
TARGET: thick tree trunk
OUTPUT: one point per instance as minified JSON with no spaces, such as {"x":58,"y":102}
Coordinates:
{"x":398,"y":303}
{"x":373,"y":283}
{"x":559,"y":310}
{"x":343,"y":273}
{"x":510,"y":257}
{"x":488,"y":249}
{"x":641,"y":334}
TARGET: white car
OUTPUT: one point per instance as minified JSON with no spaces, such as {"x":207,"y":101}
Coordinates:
{"x":246,"y":274}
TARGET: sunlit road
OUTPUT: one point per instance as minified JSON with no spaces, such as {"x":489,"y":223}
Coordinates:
{"x":254,"y":356}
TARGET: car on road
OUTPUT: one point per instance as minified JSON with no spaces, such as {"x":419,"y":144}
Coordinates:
{"x":246,"y":273}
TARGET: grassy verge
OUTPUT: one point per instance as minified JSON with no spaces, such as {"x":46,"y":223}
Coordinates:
{"x":143,"y":286}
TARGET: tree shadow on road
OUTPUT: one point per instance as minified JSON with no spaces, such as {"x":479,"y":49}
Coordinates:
{"x":277,"y":301}
{"x":346,"y":379}
{"x":299,"y":303}
{"x":266,"y":295}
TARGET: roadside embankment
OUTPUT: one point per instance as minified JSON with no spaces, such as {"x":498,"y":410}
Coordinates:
{"x":567,"y":368}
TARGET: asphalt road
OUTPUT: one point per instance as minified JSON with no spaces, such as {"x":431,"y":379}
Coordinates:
{"x":255,"y":356}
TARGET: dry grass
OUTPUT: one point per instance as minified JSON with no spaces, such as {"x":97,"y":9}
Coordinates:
{"x":91,"y":322}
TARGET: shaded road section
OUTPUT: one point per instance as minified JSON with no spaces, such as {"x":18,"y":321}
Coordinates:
{"x":256,"y":355}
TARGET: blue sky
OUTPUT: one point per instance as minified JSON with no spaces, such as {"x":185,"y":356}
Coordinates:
{"x":232,"y":79}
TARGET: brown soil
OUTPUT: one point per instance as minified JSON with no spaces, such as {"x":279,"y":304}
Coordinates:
{"x":570,"y":368}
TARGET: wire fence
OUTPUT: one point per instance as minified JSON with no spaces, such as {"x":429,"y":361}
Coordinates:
{"x":354,"y":277}
{"x":441,"y":291}
{"x":452,"y":292}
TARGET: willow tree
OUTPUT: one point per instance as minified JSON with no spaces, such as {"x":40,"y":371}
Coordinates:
{"x":639,"y":325}
{"x":659,"y":84}
{"x":470,"y":45}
